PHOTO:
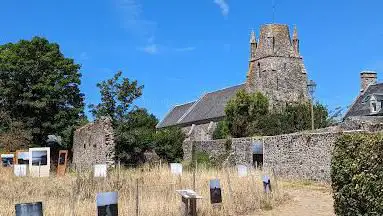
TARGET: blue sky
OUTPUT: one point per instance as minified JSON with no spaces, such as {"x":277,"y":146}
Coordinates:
{"x":180,"y":49}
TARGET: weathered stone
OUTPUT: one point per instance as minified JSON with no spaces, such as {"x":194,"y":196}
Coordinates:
{"x":94,"y":144}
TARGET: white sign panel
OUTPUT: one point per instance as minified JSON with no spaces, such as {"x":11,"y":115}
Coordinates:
{"x":100,"y":170}
{"x":176,"y":168}
{"x":39,"y":162}
{"x":20,"y":170}
{"x":242,"y":170}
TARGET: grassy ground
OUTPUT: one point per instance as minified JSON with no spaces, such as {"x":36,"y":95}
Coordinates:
{"x":75,"y":194}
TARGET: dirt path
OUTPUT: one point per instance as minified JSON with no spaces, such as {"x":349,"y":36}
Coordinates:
{"x":305,"y":202}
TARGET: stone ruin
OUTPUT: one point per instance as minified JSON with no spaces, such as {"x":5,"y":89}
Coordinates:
{"x":93,"y":144}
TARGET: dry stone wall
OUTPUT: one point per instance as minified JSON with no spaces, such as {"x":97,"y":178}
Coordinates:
{"x":94,"y":144}
{"x":297,"y":156}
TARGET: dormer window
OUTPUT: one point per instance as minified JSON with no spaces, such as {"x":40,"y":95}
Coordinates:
{"x":375,"y":105}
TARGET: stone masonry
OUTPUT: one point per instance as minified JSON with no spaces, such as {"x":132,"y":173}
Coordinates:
{"x":305,"y":155}
{"x":200,"y":131}
{"x":276,"y":68}
{"x":94,"y":144}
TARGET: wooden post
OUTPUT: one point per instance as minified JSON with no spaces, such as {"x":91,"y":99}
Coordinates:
{"x":39,"y":168}
{"x":118,"y":174}
{"x":193,"y":207}
{"x":137,"y":197}
{"x":230,"y":189}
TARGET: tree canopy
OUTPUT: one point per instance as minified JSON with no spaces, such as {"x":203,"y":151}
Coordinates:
{"x":248,"y":114}
{"x":135,"y":127}
{"x":39,"y":89}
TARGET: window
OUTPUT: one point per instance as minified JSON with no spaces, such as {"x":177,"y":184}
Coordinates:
{"x":373,"y":105}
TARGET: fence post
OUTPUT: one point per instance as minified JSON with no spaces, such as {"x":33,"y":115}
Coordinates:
{"x":137,"y":198}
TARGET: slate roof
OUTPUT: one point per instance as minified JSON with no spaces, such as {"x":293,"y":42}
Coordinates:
{"x":210,"y":106}
{"x":361,"y":106}
{"x":175,"y":114}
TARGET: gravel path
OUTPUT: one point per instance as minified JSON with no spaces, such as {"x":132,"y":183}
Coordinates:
{"x":305,"y":202}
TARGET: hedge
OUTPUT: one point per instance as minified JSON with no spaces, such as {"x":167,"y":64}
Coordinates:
{"x":357,"y":174}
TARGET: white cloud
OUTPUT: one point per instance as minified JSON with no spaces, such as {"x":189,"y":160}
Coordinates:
{"x":133,"y":19}
{"x":224,"y":6}
{"x":150,"y":49}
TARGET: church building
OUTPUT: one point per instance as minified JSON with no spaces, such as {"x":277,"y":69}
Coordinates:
{"x":276,"y":70}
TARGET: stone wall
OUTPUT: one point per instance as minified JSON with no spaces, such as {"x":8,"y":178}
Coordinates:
{"x":214,"y":148}
{"x":298,"y":156}
{"x":200,"y":131}
{"x":94,"y":144}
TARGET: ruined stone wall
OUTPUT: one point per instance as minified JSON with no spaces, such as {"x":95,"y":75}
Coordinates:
{"x":215,"y":148}
{"x":200,"y":132}
{"x":94,"y":144}
{"x":298,"y":156}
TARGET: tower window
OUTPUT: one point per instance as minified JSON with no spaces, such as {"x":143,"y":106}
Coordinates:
{"x":259,"y":69}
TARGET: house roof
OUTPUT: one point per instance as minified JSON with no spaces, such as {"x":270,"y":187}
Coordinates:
{"x":361,"y":106}
{"x":209,"y":107}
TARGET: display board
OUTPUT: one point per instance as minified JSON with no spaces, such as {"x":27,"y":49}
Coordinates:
{"x":107,"y":204}
{"x":22,"y":157}
{"x":20,"y":170}
{"x":7,"y":160}
{"x":176,"y":168}
{"x":62,"y":162}
{"x":215,"y":191}
{"x":39,"y":163}
{"x":242,"y":170}
{"x":100,"y":170}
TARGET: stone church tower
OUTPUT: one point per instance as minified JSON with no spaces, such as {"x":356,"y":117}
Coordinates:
{"x":276,"y":67}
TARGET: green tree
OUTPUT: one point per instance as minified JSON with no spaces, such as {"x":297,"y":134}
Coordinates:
{"x":244,"y":113}
{"x":117,"y":97}
{"x":134,"y":127}
{"x":247,"y":114}
{"x":221,"y":131}
{"x":39,"y":87}
{"x":168,"y":144}
{"x":134,"y":135}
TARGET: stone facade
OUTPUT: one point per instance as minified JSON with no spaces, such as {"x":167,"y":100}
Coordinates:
{"x":305,"y":155}
{"x":276,"y":68}
{"x":94,"y":144}
{"x":200,"y":131}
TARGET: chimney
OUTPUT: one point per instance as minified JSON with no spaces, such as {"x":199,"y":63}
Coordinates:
{"x":367,"y":78}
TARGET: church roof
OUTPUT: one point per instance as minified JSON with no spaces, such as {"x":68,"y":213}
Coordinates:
{"x":361,"y":106}
{"x":210,"y":106}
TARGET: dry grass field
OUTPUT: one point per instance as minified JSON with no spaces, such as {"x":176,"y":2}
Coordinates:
{"x":75,"y":194}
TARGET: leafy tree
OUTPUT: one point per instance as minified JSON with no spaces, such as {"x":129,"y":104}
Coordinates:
{"x":134,"y":135}
{"x":244,"y":113}
{"x":168,"y":144}
{"x":117,"y":97}
{"x":247,"y":115}
{"x":134,"y":127}
{"x":221,"y":131}
{"x":39,"y":87}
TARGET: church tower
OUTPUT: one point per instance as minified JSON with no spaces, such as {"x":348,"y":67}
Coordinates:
{"x":276,"y":68}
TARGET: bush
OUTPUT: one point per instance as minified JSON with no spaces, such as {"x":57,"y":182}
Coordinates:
{"x":221,"y":131}
{"x":357,"y":174}
{"x":168,"y":144}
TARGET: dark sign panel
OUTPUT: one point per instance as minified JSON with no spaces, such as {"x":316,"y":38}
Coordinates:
{"x":107,"y":204}
{"x":215,"y":191}
{"x":7,"y":160}
{"x":266,"y":184}
{"x":29,"y":209}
